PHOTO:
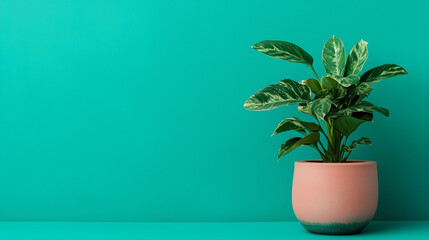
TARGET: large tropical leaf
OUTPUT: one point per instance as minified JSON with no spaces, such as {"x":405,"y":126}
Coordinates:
{"x":305,"y":109}
{"x":361,"y":107}
{"x":336,"y":89}
{"x":364,"y":89}
{"x":333,"y":57}
{"x":320,"y":107}
{"x":325,"y":93}
{"x":365,"y":116}
{"x":293,"y":143}
{"x":286,"y":92}
{"x":352,"y":79}
{"x":357,"y":58}
{"x":284,"y":50}
{"x":381,"y":72}
{"x":294,"y":123}
{"x":362,"y":140}
{"x":313,"y":84}
{"x":346,"y":124}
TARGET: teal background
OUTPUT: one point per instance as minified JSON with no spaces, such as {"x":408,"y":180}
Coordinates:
{"x":132,"y":110}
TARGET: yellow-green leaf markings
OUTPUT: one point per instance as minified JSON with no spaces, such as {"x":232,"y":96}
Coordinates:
{"x":352,"y":79}
{"x":361,"y":107}
{"x":305,"y":109}
{"x":320,"y":107}
{"x":337,"y":98}
{"x":364,"y":88}
{"x":294,"y":123}
{"x":329,"y":83}
{"x":333,"y":57}
{"x":293,"y":143}
{"x":362,"y":140}
{"x":357,"y":58}
{"x":382,"y":72}
{"x":286,"y":92}
{"x":313,"y":84}
{"x":284,"y":50}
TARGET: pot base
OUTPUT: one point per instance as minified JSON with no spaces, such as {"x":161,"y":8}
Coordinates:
{"x":335,"y":228}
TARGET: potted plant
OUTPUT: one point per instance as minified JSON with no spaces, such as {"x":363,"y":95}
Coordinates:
{"x":333,"y":195}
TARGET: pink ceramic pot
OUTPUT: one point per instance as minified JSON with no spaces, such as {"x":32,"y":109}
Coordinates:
{"x":335,"y":198}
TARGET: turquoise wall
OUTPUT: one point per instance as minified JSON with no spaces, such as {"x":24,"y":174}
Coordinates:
{"x":133,"y":110}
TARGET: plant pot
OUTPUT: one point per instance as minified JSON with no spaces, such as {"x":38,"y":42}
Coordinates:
{"x":335,"y":198}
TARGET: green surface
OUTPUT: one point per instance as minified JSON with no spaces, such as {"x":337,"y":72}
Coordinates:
{"x":122,"y":110}
{"x":206,"y":231}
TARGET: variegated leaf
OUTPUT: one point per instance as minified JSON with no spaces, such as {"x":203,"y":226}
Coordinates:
{"x":294,"y":123}
{"x":333,"y":57}
{"x":286,"y":92}
{"x":306,"y":109}
{"x":284,"y":50}
{"x":293,"y":143}
{"x":320,"y":107}
{"x":352,"y":79}
{"x":329,"y":82}
{"x":364,"y":88}
{"x":382,"y":72}
{"x":361,"y":107}
{"x":337,"y":90}
{"x":325,"y":93}
{"x":357,"y":58}
{"x":346,"y":124}
{"x":362,"y":140}
{"x":313,"y":84}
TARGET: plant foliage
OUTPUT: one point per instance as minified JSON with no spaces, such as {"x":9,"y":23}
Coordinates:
{"x":336,"y":99}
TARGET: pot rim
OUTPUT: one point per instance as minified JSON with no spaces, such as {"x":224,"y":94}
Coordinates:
{"x":348,"y":163}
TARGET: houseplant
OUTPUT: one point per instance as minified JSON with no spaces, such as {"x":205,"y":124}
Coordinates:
{"x":333,"y":195}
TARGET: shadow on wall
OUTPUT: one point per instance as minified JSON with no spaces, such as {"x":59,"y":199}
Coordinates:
{"x":400,"y":179}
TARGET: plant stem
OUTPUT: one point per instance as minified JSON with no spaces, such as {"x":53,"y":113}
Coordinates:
{"x":334,"y":143}
{"x":347,"y":156}
{"x":344,"y":145}
{"x":312,"y":68}
{"x":321,"y":154}
{"x":323,"y":132}
{"x":320,"y":142}
{"x":321,"y":128}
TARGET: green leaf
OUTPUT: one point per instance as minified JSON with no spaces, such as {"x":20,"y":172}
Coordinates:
{"x":306,"y":109}
{"x":337,"y":90}
{"x":320,"y":107}
{"x":357,"y":58}
{"x":325,"y":93}
{"x":329,"y":83}
{"x":362,"y":140}
{"x":346,"y":124}
{"x":293,"y":143}
{"x":365,"y":116}
{"x":382,"y":72}
{"x":333,"y":57}
{"x":284,"y":50}
{"x":364,"y":89}
{"x":313,"y":84}
{"x":348,"y":81}
{"x":294,"y":123}
{"x":361,"y":107}
{"x":286,"y":92}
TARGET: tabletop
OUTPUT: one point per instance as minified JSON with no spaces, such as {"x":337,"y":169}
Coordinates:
{"x":200,"y":230}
